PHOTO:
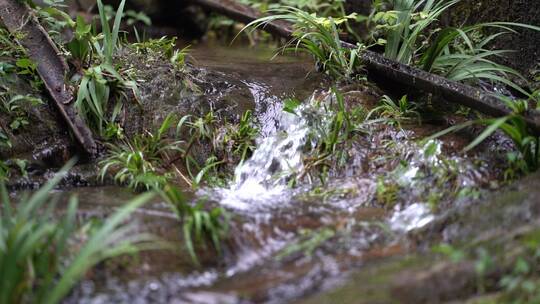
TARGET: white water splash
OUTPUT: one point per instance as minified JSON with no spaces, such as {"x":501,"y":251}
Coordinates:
{"x":263,"y":179}
{"x":412,"y":217}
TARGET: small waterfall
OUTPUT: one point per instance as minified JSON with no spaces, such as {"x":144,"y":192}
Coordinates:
{"x":263,"y":178}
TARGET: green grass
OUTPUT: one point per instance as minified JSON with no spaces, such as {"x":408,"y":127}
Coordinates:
{"x":138,"y":163}
{"x":331,"y":138}
{"x":395,"y":113}
{"x":149,"y":160}
{"x":101,"y":81}
{"x":42,"y":256}
{"x":463,"y":54}
{"x":406,"y":24}
{"x":319,"y":37}
{"x":407,"y":29}
{"x":527,"y":145}
{"x":232,"y":144}
{"x":200,"y":227}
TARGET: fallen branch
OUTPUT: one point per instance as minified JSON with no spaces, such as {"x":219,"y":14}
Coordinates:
{"x":17,"y":17}
{"x":243,"y":13}
{"x":392,"y":70}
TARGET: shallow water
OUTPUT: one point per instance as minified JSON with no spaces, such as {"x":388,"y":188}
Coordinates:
{"x":285,"y":243}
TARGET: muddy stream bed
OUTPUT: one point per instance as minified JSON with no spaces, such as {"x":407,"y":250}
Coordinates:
{"x":336,"y":242}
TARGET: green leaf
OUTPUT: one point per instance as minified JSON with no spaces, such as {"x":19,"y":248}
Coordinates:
{"x":290,"y":105}
{"x":493,"y":126}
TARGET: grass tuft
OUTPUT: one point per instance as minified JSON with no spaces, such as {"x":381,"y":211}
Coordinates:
{"x":41,"y":258}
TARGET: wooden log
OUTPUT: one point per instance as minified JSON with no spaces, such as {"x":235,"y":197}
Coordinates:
{"x":376,"y":63}
{"x":17,"y":17}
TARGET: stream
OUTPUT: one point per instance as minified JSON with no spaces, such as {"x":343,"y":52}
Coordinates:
{"x":288,"y":243}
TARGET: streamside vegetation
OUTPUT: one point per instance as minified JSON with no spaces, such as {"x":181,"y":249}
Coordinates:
{"x":43,"y":256}
{"x":201,"y":228}
{"x":404,"y":29}
{"x":506,"y":278}
{"x":173,"y":152}
{"x":20,"y":92}
{"x":337,"y":126}
{"x":153,"y":160}
{"x":336,"y":8}
{"x":410,"y":33}
{"x":525,"y":159}
{"x":319,"y":37}
{"x":137,"y":161}
{"x":101,"y":79}
{"x":396,"y":112}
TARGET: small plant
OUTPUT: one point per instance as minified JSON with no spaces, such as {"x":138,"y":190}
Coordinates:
{"x":319,"y":37}
{"x":178,"y":58}
{"x":459,"y":54}
{"x":9,"y":46}
{"x":200,"y":227}
{"x":15,"y":107}
{"x":405,"y":23}
{"x":14,"y":59}
{"x":166,"y":47}
{"x":133,"y":17}
{"x":109,"y":45}
{"x":308,"y":242}
{"x":344,"y":123}
{"x":199,"y":130}
{"x":12,"y":101}
{"x":231,"y":143}
{"x":5,"y":142}
{"x":535,"y":96}
{"x":515,"y":127}
{"x":102,"y":80}
{"x":42,"y":258}
{"x":331,"y":140}
{"x":240,"y":138}
{"x":80,"y":46}
{"x":395,"y":113}
{"x":387,"y":192}
{"x":163,"y":45}
{"x":138,"y":163}
{"x":4,"y":171}
{"x":95,"y":90}
{"x":462,"y":55}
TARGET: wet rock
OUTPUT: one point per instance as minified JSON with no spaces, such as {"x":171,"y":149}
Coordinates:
{"x":42,"y":123}
{"x":164,"y":89}
{"x":497,"y":223}
{"x":442,"y":282}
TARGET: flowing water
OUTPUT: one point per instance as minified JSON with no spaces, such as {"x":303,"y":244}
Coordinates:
{"x":286,"y":242}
